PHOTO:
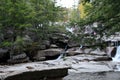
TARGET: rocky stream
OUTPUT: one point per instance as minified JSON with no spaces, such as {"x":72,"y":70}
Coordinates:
{"x":43,"y":64}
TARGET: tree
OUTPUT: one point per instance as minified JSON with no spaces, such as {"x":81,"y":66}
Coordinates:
{"x":19,"y":17}
{"x":45,"y":12}
{"x":106,"y":13}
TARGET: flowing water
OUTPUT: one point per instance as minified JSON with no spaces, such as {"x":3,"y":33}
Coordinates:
{"x":117,"y":56}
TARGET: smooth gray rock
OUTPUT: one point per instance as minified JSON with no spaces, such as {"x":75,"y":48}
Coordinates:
{"x":34,"y":71}
{"x":80,"y":67}
{"x":94,"y":76}
{"x":51,"y":52}
{"x":48,"y":52}
{"x":53,"y":46}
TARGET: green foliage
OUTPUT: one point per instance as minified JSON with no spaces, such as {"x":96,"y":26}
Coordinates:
{"x":57,"y":29}
{"x":19,"y":17}
{"x":19,"y":44}
{"x":106,"y":13}
{"x":5,"y":44}
{"x":74,"y":15}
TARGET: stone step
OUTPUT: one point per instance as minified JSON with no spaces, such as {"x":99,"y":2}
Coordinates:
{"x":33,"y":71}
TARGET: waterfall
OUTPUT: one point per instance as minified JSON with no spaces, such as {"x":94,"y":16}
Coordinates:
{"x":70,"y":30}
{"x":2,"y":77}
{"x":117,"y":56}
{"x":63,"y":53}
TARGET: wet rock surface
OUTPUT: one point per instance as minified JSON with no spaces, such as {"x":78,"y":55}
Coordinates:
{"x":47,"y":54}
{"x":84,"y":67}
{"x":79,"y":67}
{"x":79,"y":64}
{"x":94,"y":76}
{"x":33,"y":71}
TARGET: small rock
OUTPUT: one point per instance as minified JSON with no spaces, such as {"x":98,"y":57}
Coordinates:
{"x":29,"y":67}
{"x":53,"y":46}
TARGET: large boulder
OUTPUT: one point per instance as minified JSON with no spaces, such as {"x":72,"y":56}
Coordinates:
{"x":47,"y":54}
{"x":34,"y":71}
{"x":74,"y":51}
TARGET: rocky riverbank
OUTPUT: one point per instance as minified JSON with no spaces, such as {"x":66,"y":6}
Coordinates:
{"x":80,"y":67}
{"x":79,"y":63}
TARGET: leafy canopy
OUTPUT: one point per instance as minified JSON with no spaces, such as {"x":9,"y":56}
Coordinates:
{"x":105,"y":12}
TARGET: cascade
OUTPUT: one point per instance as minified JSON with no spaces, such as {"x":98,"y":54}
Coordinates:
{"x":63,"y":53}
{"x":116,"y":58}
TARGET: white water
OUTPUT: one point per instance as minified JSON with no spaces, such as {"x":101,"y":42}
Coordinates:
{"x":70,"y":30}
{"x":117,"y":56}
{"x":60,"y":57}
